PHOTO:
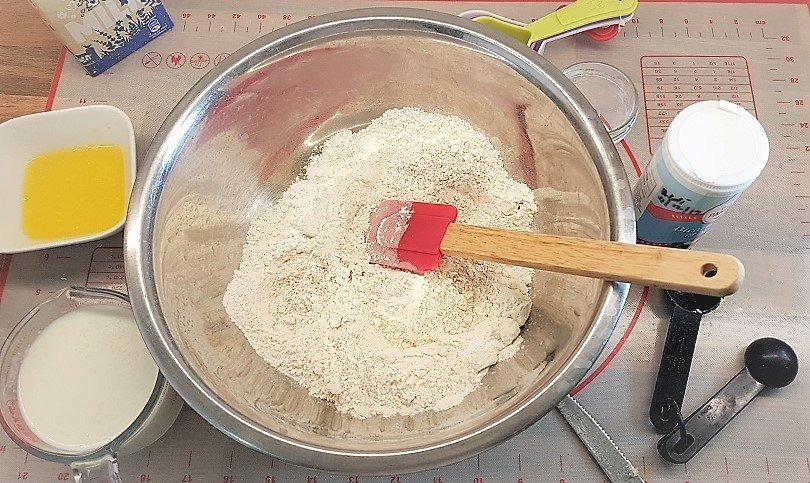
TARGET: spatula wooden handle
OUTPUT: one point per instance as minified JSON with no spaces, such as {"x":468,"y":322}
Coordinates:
{"x":670,"y":268}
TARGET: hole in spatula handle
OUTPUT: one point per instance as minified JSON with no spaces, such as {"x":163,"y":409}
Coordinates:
{"x":708,"y":270}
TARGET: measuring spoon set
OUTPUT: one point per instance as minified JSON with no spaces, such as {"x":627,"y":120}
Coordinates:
{"x":599,"y":18}
{"x":769,"y":364}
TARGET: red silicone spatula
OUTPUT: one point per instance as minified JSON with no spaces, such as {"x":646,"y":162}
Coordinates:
{"x":414,"y":236}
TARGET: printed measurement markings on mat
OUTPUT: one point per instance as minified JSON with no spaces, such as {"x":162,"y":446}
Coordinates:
{"x":787,"y":67}
{"x":107,"y":269}
{"x":225,"y":22}
{"x":670,"y":83}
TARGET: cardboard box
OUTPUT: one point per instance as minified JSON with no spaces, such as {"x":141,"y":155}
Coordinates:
{"x":102,"y":32}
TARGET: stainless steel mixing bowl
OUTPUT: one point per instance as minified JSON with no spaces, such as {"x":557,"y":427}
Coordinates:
{"x":237,"y":140}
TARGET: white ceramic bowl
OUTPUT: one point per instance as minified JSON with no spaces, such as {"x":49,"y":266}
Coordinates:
{"x":25,"y":137}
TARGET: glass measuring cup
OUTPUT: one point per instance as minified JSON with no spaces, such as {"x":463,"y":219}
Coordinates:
{"x":99,"y":464}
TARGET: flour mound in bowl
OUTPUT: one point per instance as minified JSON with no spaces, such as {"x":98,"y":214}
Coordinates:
{"x":373,"y":340}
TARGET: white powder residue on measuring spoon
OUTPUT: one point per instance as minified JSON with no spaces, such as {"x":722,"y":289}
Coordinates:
{"x":373,"y":340}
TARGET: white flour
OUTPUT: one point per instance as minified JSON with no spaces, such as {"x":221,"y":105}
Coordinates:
{"x":373,"y":340}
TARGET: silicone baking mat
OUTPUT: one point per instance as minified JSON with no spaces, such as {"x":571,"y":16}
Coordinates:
{"x":754,"y":54}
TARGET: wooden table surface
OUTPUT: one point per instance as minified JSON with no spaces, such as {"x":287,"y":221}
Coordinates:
{"x":28,"y":55}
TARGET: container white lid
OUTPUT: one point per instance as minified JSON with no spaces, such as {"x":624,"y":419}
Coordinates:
{"x":715,"y":147}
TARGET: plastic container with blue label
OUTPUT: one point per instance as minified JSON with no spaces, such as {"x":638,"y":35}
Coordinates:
{"x":712,"y":152}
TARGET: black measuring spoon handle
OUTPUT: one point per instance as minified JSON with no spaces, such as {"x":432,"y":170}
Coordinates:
{"x":704,"y":424}
{"x":769,"y":363}
{"x":673,"y":372}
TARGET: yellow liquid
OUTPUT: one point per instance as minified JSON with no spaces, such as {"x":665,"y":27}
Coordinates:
{"x":73,"y":192}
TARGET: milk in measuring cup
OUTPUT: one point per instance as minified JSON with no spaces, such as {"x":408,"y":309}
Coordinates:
{"x":711,"y":152}
{"x":86,"y":378}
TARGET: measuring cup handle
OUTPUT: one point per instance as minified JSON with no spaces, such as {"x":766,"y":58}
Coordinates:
{"x":673,"y":373}
{"x":101,"y":470}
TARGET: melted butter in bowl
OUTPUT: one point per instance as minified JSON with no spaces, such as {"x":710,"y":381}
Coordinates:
{"x":73,"y":192}
{"x":67,"y":177}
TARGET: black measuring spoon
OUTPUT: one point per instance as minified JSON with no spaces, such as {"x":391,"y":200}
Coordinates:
{"x":769,"y":363}
{"x":676,"y":360}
